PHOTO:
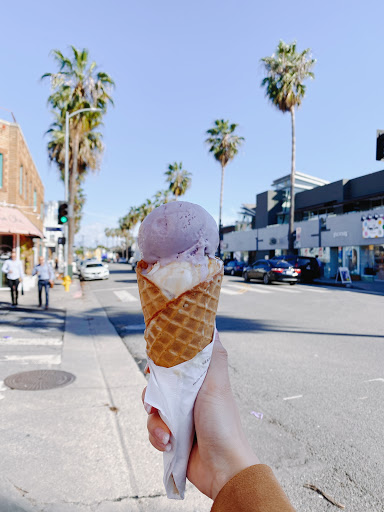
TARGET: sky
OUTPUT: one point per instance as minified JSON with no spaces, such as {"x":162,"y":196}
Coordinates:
{"x":180,"y":65}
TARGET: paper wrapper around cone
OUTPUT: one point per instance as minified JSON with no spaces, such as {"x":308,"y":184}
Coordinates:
{"x":178,"y":329}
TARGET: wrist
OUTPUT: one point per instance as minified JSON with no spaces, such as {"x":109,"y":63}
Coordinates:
{"x":234,"y":467}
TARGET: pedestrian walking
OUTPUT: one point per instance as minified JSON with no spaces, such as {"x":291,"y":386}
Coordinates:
{"x":13,"y":268}
{"x":46,"y":279}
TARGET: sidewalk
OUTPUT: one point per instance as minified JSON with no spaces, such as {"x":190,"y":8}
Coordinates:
{"x":368,"y":286}
{"x":83,"y":447}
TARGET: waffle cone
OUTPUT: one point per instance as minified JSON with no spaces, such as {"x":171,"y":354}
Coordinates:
{"x":178,"y":329}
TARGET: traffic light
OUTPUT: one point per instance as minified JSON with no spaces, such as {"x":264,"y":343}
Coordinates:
{"x":62,"y":216}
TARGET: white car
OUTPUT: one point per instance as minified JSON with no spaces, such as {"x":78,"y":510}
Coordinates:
{"x":93,"y":270}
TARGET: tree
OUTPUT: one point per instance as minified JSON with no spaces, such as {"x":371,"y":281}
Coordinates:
{"x":224,"y":145}
{"x":286,"y":71}
{"x":161,"y":197}
{"x":179,"y":179}
{"x":77,"y":85}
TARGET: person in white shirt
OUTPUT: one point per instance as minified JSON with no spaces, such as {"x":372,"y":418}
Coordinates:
{"x":13,"y":268}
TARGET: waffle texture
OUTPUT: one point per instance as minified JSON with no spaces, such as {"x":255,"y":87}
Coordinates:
{"x":178,"y":329}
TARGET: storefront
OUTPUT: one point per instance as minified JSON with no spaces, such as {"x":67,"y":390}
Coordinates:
{"x":19,"y":233}
{"x":352,"y":240}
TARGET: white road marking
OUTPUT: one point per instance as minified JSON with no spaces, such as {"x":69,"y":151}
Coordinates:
{"x":113,"y":289}
{"x":293,"y":397}
{"x":282,"y":288}
{"x":31,"y":341}
{"x":125,"y":296}
{"x":230,"y":292}
{"x":375,"y":380}
{"x":35,"y":359}
{"x":2,"y":388}
{"x":249,"y":288}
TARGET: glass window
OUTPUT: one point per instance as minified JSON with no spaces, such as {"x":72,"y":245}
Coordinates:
{"x":21,"y":180}
{"x":34,"y":200}
{"x":93,"y":265}
{"x":1,"y":170}
{"x":26,"y":185}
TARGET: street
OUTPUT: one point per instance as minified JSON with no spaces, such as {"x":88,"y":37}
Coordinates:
{"x":305,"y":366}
{"x":310,"y":360}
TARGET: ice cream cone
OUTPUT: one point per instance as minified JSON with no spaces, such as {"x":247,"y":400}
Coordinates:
{"x":178,"y":329}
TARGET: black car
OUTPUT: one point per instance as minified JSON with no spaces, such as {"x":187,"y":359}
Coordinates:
{"x":271,"y":270}
{"x":308,"y":265}
{"x":234,"y":267}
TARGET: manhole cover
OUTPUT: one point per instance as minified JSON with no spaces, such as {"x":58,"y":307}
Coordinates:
{"x":39,"y":379}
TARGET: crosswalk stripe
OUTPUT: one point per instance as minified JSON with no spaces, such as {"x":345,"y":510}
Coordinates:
{"x":31,"y":341}
{"x":230,"y":292}
{"x":282,"y":288}
{"x":125,"y":296}
{"x":34,"y":359}
{"x":249,"y":288}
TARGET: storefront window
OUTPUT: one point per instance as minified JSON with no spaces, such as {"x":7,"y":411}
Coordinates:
{"x":379,"y":261}
{"x":352,"y":259}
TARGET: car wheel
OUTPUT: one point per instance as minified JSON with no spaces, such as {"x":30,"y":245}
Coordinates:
{"x":266,"y":279}
{"x":232,"y":272}
{"x":246,"y":277}
{"x":292,"y":284}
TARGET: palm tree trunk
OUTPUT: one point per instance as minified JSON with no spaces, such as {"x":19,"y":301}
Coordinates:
{"x":293,"y":170}
{"x":221,"y":208}
{"x":72,"y":195}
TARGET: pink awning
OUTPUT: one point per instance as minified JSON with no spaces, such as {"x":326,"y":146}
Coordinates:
{"x":12,"y":221}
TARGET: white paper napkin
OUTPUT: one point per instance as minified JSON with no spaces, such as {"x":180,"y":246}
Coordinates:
{"x":173,"y":392}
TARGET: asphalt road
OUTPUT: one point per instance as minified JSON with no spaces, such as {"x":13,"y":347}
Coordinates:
{"x":306,"y":366}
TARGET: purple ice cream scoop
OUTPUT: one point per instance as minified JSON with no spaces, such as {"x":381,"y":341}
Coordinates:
{"x":178,"y":231}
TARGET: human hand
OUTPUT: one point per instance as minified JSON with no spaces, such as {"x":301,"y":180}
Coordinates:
{"x":221,"y":449}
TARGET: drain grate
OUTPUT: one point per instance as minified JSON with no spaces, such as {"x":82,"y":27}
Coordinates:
{"x":37,"y":380}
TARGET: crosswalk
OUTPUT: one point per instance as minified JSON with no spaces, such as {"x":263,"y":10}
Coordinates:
{"x":239,"y":289}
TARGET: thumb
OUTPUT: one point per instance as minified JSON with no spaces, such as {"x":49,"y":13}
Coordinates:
{"x":217,"y":378}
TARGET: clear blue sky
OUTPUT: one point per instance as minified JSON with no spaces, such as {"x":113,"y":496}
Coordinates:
{"x":180,"y":65}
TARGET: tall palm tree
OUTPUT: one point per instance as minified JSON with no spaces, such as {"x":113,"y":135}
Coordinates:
{"x":224,"y":145}
{"x":75,"y":86}
{"x":286,"y":71}
{"x":178,"y":178}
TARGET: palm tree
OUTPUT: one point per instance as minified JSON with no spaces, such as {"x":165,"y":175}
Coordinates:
{"x":179,"y":179}
{"x":75,"y":86}
{"x":286,"y":71}
{"x":224,"y":145}
{"x":161,"y":197}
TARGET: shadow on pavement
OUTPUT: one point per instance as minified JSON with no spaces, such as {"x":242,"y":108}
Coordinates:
{"x":232,"y":324}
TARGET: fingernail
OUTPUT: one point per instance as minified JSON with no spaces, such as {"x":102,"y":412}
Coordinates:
{"x":162,"y":436}
{"x":168,"y":448}
{"x":147,"y":407}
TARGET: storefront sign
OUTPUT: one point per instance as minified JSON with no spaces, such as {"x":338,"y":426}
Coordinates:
{"x":338,"y":234}
{"x":343,"y":275}
{"x":373,"y":226}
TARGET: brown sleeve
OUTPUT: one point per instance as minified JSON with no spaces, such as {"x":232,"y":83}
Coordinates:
{"x":255,"y":489}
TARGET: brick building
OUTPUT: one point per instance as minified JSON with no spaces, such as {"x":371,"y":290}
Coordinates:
{"x":21,"y":199}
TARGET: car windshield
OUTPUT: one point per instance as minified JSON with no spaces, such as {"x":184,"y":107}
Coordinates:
{"x":281,"y":264}
{"x":303,"y":261}
{"x":92,"y":265}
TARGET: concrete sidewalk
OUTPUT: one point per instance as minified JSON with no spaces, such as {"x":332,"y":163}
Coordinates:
{"x":83,"y":447}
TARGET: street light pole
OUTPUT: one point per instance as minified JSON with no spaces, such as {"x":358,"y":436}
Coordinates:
{"x":66,"y":176}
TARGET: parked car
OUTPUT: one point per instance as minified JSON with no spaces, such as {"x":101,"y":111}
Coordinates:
{"x":308,"y":265}
{"x":234,"y":267}
{"x":93,"y":270}
{"x":270,"y":270}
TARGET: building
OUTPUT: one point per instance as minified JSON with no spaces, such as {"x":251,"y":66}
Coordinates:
{"x":21,"y":199}
{"x":342,"y":222}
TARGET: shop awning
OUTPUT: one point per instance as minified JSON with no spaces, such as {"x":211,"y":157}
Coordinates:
{"x":12,"y":221}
